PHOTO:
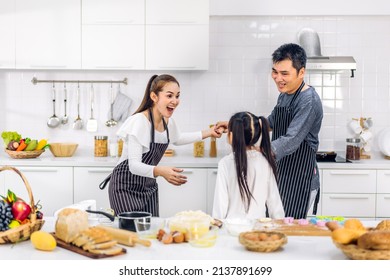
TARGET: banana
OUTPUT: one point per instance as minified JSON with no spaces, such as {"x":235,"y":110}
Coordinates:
{"x":41,"y":144}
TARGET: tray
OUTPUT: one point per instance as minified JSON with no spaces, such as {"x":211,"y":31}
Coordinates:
{"x":80,"y":251}
{"x":293,"y":229}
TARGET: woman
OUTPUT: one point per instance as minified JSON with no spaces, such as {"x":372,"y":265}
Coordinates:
{"x":147,"y":134}
{"x":246,"y":182}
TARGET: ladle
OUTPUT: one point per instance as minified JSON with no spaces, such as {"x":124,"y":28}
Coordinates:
{"x":111,"y":122}
{"x":78,"y":122}
{"x":65,"y":118}
{"x":53,"y":121}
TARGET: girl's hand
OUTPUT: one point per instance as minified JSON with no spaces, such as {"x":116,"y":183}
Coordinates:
{"x":212,"y":132}
{"x":222,"y":126}
{"x":171,"y":174}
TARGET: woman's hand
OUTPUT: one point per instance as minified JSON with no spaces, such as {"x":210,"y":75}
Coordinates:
{"x":222,"y":126}
{"x":171,"y":174}
{"x":212,"y":132}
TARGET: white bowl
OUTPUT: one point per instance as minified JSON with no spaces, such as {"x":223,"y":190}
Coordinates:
{"x":236,"y":226}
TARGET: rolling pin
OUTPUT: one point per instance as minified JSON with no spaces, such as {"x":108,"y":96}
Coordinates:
{"x":125,"y":237}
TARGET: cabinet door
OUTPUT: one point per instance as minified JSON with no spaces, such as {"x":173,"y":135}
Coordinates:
{"x":190,"y":196}
{"x":7,"y":34}
{"x":349,"y":205}
{"x":383,"y":181}
{"x":86,"y":185}
{"x":177,"y":47}
{"x":349,"y":181}
{"x":177,"y":11}
{"x":383,"y":205}
{"x":48,"y":34}
{"x":51,"y":186}
{"x":211,"y":180}
{"x":113,"y":11}
{"x":113,"y":47}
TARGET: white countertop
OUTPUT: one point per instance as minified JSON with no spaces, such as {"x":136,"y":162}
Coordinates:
{"x":226,"y":248}
{"x":182,"y":158}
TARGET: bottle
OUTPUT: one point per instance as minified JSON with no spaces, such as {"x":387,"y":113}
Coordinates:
{"x":213,"y":145}
{"x":101,"y":146}
{"x":353,"y":149}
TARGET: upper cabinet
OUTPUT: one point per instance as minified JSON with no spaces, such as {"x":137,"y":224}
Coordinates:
{"x":48,"y":34}
{"x":7,"y":34}
{"x":177,"y":34}
{"x":113,"y":34}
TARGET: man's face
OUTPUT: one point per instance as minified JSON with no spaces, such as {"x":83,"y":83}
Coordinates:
{"x":286,"y":77}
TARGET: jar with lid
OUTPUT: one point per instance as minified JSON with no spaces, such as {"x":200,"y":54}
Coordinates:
{"x":213,"y":145}
{"x":199,"y":149}
{"x":101,"y":146}
{"x":353,"y":149}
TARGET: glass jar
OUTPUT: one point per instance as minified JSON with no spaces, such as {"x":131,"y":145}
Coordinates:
{"x":199,"y":149}
{"x":353,"y":149}
{"x":101,"y":146}
{"x":120,"y":147}
{"x":213,"y":145}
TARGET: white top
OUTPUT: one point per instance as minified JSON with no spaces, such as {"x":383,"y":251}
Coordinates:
{"x":136,"y":134}
{"x":261,"y":182}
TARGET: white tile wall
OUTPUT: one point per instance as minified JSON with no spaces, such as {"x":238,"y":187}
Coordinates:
{"x":238,"y":79}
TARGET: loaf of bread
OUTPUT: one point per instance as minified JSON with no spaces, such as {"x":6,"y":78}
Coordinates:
{"x":383,"y":225}
{"x":375,"y":240}
{"x":70,"y":223}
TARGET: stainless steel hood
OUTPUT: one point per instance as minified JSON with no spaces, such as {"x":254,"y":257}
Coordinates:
{"x":310,"y":41}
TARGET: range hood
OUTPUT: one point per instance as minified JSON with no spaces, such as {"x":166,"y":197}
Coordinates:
{"x":310,"y":42}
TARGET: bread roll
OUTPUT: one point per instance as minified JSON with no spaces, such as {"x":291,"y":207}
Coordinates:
{"x":70,"y":223}
{"x":375,"y":240}
{"x":354,"y":224}
{"x":384,"y":225}
{"x":346,"y":235}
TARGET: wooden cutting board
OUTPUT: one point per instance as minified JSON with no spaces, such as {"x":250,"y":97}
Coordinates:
{"x":80,"y":251}
{"x":295,"y":229}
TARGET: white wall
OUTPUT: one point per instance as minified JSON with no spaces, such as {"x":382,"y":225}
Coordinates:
{"x":238,"y":79}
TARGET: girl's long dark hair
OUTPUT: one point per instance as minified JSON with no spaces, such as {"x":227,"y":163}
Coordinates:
{"x":247,"y":129}
{"x":155,"y":84}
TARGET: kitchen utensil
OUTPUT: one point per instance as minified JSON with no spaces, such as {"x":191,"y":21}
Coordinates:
{"x":111,"y":122}
{"x":78,"y":122}
{"x":53,"y":121}
{"x":126,"y":219}
{"x":63,"y":149}
{"x":148,"y":228}
{"x":322,"y":156}
{"x":65,"y":118}
{"x":92,"y":123}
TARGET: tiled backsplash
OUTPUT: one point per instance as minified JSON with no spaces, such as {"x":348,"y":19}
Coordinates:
{"x":238,"y":79}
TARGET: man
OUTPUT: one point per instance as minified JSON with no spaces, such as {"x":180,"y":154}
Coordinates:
{"x":295,"y":122}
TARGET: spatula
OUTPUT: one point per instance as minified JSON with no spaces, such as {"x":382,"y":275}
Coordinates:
{"x":92,"y":123}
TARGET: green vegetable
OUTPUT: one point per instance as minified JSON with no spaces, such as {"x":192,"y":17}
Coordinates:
{"x":9,"y":136}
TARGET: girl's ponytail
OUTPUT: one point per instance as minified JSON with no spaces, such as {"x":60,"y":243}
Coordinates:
{"x":265,"y":144}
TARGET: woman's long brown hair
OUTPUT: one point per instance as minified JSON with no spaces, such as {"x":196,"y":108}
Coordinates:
{"x":247,"y":129}
{"x":155,"y":84}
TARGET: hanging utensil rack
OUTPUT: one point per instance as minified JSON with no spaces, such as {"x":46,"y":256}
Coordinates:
{"x":36,"y":81}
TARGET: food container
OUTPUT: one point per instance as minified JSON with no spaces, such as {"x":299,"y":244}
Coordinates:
{"x":199,"y":149}
{"x":235,"y":226}
{"x":262,"y":241}
{"x":101,"y":146}
{"x":353,"y":149}
{"x":203,"y":239}
{"x":63,"y":149}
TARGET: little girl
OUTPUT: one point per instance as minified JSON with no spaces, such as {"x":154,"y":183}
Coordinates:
{"x":246,"y":182}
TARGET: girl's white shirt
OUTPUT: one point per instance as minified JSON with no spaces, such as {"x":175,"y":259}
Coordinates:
{"x":261,"y":182}
{"x":136,"y":134}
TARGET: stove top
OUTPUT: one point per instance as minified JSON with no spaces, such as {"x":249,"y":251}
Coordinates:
{"x":337,"y":159}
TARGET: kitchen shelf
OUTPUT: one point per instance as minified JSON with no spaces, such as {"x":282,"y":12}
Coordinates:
{"x":36,"y":81}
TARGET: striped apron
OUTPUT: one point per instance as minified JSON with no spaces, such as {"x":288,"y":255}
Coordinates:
{"x":295,"y":171}
{"x":128,"y":192}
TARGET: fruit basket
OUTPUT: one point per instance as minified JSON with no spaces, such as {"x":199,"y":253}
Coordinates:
{"x":353,"y":252}
{"x":262,"y":241}
{"x":24,"y":154}
{"x":24,"y":231}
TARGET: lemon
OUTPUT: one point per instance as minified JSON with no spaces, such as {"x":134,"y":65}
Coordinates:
{"x":14,"y":224}
{"x":43,"y":241}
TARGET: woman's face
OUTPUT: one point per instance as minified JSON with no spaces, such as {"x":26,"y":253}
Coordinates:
{"x":167,"y":99}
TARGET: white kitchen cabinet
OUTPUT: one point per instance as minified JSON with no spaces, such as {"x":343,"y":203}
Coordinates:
{"x":51,"y":186}
{"x":383,"y":194}
{"x":86,"y":185}
{"x":190,"y":196}
{"x":113,"y":34}
{"x":349,"y":193}
{"x":48,"y":34}
{"x":113,"y":11}
{"x":7,"y":34}
{"x":211,"y":180}
{"x":177,"y":47}
{"x":177,"y":11}
{"x":2,"y":186}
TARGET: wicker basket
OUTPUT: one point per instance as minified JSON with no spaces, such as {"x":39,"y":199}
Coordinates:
{"x":24,"y":231}
{"x":251,"y":244}
{"x":24,"y":154}
{"x":353,"y":252}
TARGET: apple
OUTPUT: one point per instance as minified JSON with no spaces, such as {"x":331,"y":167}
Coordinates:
{"x":20,"y":210}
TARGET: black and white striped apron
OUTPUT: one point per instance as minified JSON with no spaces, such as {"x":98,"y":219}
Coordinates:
{"x":128,"y":192}
{"x":295,"y":171}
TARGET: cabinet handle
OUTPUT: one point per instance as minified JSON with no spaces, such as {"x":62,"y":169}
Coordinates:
{"x":349,"y":172}
{"x":113,"y":67}
{"x":384,"y":172}
{"x":39,"y":169}
{"x":177,"y":22}
{"x":111,"y":22}
{"x":348,"y":197}
{"x":99,"y":170}
{"x":215,"y":172}
{"x":48,"y":66}
{"x":187,"y":172}
{"x":177,"y":67}
{"x":386,"y":197}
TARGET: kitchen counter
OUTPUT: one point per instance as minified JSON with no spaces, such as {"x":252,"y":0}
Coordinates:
{"x":182,"y":158}
{"x":226,"y":248}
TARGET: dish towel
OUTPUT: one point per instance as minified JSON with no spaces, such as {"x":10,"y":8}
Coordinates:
{"x":121,"y":107}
